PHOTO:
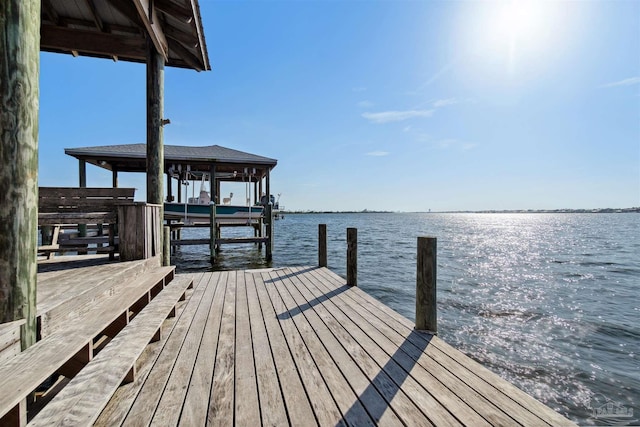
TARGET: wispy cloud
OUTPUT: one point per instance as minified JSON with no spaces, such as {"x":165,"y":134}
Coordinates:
{"x":446,"y":143}
{"x":396,"y":116}
{"x":444,"y":102}
{"x":378,"y":153}
{"x":455,"y":144}
{"x":359,"y":89}
{"x":365,"y":104}
{"x":625,"y":82}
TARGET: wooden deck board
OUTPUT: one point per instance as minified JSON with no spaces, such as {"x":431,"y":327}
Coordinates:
{"x":146,"y":401}
{"x":296,"y":346}
{"x":353,"y":413}
{"x":296,"y":398}
{"x":322,"y":401}
{"x":348,"y":363}
{"x":171,"y":402}
{"x":194,"y":411}
{"x":503,"y":394}
{"x":272,"y":407}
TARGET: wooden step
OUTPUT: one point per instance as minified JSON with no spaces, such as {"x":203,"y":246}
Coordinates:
{"x":82,"y":400}
{"x":69,"y":348}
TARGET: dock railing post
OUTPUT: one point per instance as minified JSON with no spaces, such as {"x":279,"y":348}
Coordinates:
{"x":426,"y":319}
{"x":322,"y":245}
{"x":352,"y":256}
{"x":166,"y":246}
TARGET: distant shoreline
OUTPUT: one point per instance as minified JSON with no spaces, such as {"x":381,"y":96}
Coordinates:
{"x":506,"y":211}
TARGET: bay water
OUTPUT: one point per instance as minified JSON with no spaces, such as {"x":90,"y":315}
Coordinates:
{"x":549,"y":302}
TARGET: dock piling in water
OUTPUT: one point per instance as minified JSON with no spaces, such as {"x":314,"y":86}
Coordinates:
{"x":352,"y":256}
{"x":322,"y":245}
{"x":426,"y":319}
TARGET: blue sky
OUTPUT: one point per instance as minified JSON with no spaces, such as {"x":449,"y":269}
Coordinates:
{"x":388,"y":105}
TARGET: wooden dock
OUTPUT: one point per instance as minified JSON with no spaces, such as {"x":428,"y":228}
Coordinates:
{"x":297,"y":346}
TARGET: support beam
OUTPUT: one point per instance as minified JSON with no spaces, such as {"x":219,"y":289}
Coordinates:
{"x":155,"y":143}
{"x":151,"y":21}
{"x":82,"y":182}
{"x":19,"y":86}
{"x":91,"y":42}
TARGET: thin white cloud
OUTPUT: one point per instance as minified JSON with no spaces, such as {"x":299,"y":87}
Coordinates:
{"x":359,"y":89}
{"x":396,"y":116}
{"x":444,"y":102}
{"x":365,"y":104}
{"x":625,"y":82}
{"x":446,"y":143}
{"x":378,"y":153}
{"x":468,"y":146}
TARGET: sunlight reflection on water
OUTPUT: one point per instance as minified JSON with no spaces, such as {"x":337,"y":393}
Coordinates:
{"x":548,"y":301}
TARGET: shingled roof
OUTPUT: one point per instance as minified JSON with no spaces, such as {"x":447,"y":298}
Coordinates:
{"x":132,"y":157}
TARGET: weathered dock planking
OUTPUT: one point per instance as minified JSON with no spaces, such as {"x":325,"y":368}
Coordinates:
{"x":297,"y":346}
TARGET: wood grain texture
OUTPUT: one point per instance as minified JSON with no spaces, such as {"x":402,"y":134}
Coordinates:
{"x":24,"y":372}
{"x":82,"y":400}
{"x":19,"y":88}
{"x":298,"y":346}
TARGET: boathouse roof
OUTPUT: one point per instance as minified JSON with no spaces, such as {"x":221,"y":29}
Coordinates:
{"x":132,"y":157}
{"x":118,"y":30}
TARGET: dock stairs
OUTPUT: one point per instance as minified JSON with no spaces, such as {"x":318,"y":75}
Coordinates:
{"x":92,"y":335}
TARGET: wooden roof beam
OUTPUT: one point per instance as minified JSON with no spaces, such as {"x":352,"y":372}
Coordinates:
{"x":128,"y":10}
{"x":184,"y":53}
{"x":92,"y":42}
{"x":184,"y":38}
{"x":151,"y":21}
{"x":178,"y":12}
{"x":51,"y":13}
{"x":96,"y":17}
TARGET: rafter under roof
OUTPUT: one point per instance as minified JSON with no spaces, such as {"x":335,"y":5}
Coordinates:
{"x":118,"y":29}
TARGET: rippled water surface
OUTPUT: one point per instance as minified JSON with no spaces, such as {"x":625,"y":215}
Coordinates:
{"x":548,"y":301}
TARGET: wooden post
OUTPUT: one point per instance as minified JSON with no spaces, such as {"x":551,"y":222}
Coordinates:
{"x":426,"y":319}
{"x":166,"y":247}
{"x":82,"y":182}
{"x":114,"y":177}
{"x":19,"y":87}
{"x":352,"y":256}
{"x":322,"y":245}
{"x":213,"y":232}
{"x":155,"y":145}
{"x":269,"y":220}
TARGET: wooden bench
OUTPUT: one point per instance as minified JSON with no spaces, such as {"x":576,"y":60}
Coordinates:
{"x":80,"y":206}
{"x":67,"y":350}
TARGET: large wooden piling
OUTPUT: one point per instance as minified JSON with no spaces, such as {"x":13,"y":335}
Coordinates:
{"x":352,"y":256}
{"x":322,"y":245}
{"x":426,"y":319}
{"x":155,"y":106}
{"x":19,"y":87}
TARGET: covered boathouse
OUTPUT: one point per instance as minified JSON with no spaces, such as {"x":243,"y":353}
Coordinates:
{"x":213,"y":164}
{"x":221,"y":163}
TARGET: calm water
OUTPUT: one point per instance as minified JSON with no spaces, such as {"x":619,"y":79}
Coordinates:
{"x":547,"y":301}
